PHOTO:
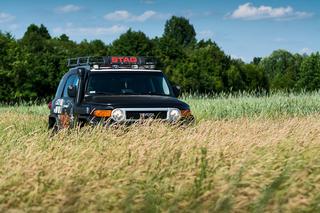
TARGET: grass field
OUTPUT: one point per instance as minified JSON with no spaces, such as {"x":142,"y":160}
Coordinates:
{"x":244,"y":154}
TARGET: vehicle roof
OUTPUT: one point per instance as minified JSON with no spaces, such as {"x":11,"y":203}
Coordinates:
{"x":126,"y":70}
{"x":74,"y":70}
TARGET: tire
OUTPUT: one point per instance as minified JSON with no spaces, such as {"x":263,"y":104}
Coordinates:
{"x":53,"y":125}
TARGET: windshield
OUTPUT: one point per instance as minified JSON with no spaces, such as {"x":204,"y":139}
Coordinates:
{"x":128,"y":83}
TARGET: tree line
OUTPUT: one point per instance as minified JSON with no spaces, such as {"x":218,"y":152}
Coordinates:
{"x":31,"y":67}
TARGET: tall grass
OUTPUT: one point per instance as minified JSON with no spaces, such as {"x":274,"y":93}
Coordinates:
{"x":253,"y":160}
{"x":228,"y":106}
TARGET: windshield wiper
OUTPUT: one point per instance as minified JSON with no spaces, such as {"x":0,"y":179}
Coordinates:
{"x":126,"y":93}
{"x":109,"y":93}
{"x":155,"y":93}
{"x":98,"y":93}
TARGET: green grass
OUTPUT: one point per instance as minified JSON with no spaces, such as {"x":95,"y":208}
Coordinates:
{"x":227,"y":106}
{"x":245,"y":154}
{"x":246,"y":105}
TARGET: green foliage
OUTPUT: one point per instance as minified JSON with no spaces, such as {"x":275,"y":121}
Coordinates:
{"x":8,"y":48}
{"x":310,"y":73}
{"x":233,"y":106}
{"x":282,"y":69}
{"x":180,"y":30}
{"x":95,"y":47}
{"x":31,"y":67}
{"x":132,"y":43}
{"x":201,"y":70}
{"x":35,"y":38}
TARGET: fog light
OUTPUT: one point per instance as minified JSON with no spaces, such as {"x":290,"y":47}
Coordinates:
{"x":174,"y":114}
{"x":118,"y":115}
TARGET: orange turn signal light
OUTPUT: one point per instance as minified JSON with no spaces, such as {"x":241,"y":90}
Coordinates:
{"x":186,"y":113}
{"x":102,"y":113}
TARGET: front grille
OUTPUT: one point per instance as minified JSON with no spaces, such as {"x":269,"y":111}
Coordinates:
{"x":136,"y":115}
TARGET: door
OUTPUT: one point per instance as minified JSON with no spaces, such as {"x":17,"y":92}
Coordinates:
{"x":66,"y":103}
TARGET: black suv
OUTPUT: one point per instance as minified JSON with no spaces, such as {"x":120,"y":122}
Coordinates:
{"x":115,"y":90}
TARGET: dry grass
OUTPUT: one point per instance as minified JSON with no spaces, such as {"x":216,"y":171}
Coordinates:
{"x":236,"y":165}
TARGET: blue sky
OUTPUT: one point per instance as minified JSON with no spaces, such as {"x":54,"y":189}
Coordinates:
{"x":243,"y":29}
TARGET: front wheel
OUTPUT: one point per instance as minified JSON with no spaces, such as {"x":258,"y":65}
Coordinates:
{"x":53,"y":125}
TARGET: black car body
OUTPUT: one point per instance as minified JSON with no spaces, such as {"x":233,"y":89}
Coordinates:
{"x":115,"y":90}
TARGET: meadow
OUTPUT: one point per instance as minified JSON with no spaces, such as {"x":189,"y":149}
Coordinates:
{"x":244,"y":154}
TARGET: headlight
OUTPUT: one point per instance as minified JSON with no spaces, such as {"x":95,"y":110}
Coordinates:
{"x":118,"y":115}
{"x":174,"y":114}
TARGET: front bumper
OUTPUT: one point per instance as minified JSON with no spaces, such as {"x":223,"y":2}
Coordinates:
{"x":109,"y":122}
{"x":140,"y":115}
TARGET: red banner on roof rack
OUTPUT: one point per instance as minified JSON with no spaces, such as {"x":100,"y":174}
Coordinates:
{"x":123,"y":60}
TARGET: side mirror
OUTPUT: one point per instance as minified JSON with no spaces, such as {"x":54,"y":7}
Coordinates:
{"x":72,"y":91}
{"x":176,"y":90}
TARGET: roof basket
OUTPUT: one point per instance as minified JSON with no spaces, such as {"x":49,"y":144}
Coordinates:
{"x":85,"y":61}
{"x":113,"y":62}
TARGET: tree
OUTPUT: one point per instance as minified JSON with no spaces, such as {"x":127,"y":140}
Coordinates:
{"x":64,"y":38}
{"x":38,"y":66}
{"x":179,"y":29}
{"x":235,"y":78}
{"x":30,"y":68}
{"x":310,"y":73}
{"x":92,"y":48}
{"x":8,"y":49}
{"x":256,"y":60}
{"x":132,"y":43}
{"x":282,"y":69}
{"x":201,"y":70}
{"x":255,"y":78}
{"x":41,"y":31}
{"x":246,"y":77}
{"x":35,"y":38}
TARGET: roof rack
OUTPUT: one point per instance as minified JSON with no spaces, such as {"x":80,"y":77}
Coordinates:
{"x":113,"y":62}
{"x":85,"y":61}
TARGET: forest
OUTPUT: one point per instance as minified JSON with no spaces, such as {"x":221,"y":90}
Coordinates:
{"x":32,"y":66}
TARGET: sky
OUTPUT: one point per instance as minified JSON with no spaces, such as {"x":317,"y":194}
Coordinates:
{"x":242,"y":28}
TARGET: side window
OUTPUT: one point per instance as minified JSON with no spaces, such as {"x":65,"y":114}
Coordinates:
{"x":59,"y":89}
{"x":165,"y":87}
{"x":72,"y":80}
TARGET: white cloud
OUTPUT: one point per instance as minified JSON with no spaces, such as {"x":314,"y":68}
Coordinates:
{"x":118,"y":15}
{"x":145,"y":16}
{"x":69,"y":8}
{"x":124,"y":15}
{"x":93,"y":31}
{"x":5,"y":17}
{"x":306,"y":50}
{"x":248,"y":11}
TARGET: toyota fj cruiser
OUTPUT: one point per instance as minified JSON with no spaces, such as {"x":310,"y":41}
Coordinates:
{"x":107,"y":90}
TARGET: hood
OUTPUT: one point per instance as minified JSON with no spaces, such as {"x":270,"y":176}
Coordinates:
{"x":136,"y":101}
